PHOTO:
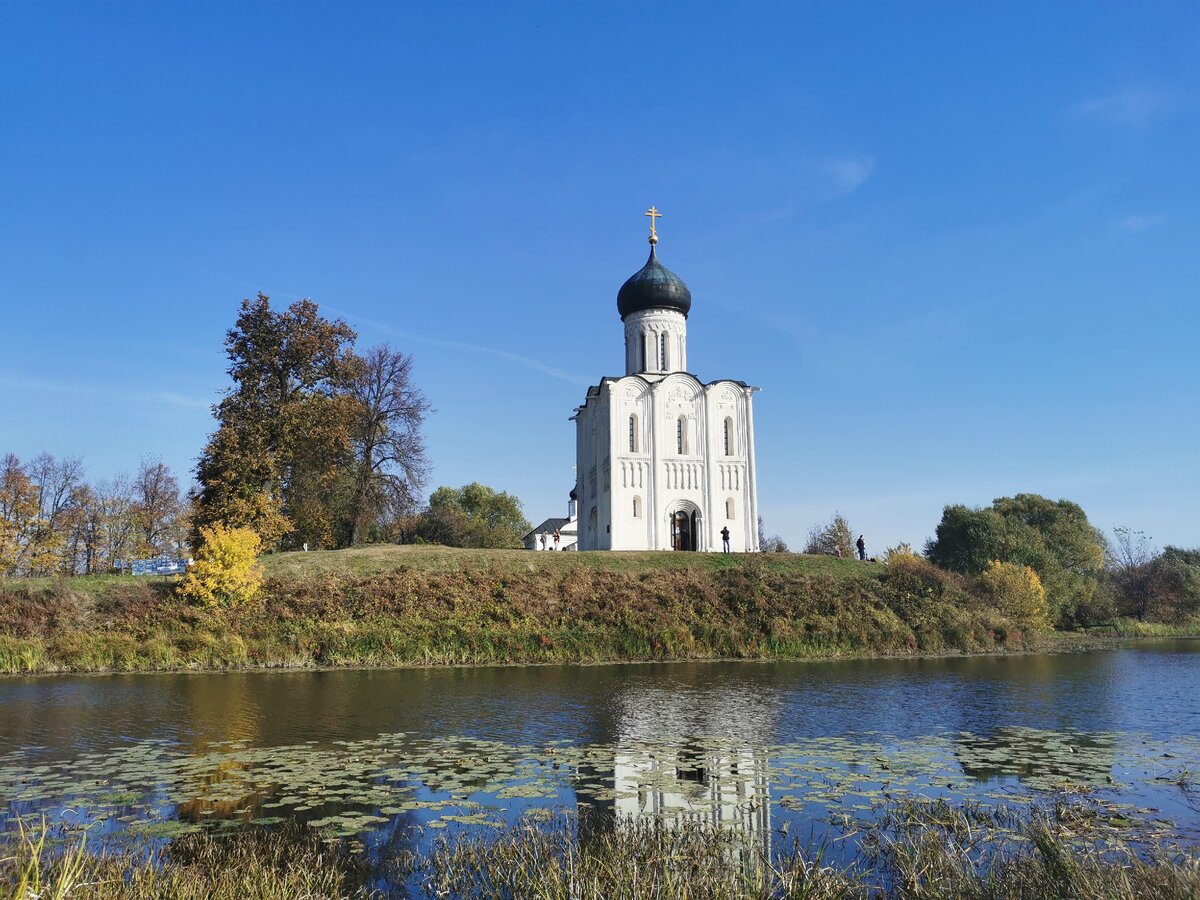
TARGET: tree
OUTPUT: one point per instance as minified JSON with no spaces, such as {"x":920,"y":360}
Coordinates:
{"x":224,"y":572}
{"x":390,"y":464}
{"x":830,"y":537}
{"x":284,"y":428}
{"x":1018,"y":593}
{"x":18,"y":515}
{"x":158,"y":507}
{"x":474,"y":515}
{"x":1053,"y":537}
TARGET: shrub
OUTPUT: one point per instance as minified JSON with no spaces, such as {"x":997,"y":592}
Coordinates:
{"x":224,"y":573}
{"x":1018,"y":593}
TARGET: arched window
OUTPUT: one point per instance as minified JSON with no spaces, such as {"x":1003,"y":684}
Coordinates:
{"x":681,"y":435}
{"x":593,"y":523}
{"x":728,"y":436}
{"x":633,"y":434}
{"x":637,"y":507}
{"x":729,"y":508}
{"x":662,"y":352}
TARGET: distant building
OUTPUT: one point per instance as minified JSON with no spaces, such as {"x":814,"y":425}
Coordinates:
{"x":664,"y":461}
{"x":568,"y":531}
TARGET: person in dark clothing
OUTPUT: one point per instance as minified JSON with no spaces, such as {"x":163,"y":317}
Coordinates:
{"x":862,"y":548}
{"x":725,"y":539}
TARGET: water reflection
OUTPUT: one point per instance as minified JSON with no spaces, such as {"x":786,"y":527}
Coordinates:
{"x":747,"y":747}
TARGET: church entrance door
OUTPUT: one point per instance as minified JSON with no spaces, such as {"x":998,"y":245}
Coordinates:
{"x":683,"y":531}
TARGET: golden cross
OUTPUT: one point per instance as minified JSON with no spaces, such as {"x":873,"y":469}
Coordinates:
{"x":653,"y":214}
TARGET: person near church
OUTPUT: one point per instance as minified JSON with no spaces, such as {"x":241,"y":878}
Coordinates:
{"x":862,"y":548}
{"x":556,"y":538}
{"x":543,"y":540}
{"x":725,"y":539}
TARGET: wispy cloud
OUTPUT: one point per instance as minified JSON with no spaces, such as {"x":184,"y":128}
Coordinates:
{"x":1142,"y":221}
{"x":1131,"y":107}
{"x":110,"y":394}
{"x":527,"y":362}
{"x":849,"y":173}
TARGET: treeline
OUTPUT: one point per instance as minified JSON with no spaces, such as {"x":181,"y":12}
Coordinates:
{"x":53,"y":521}
{"x":1087,"y":578}
{"x":316,"y":444}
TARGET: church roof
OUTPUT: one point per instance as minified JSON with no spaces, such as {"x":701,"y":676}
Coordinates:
{"x":653,"y":286}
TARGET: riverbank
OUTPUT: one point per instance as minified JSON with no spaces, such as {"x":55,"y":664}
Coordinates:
{"x":915,"y":849}
{"x":422,"y":606}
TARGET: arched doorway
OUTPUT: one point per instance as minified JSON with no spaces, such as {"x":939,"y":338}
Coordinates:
{"x":683,"y":530}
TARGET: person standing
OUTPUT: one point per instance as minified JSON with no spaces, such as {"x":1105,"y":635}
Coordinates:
{"x":725,"y":539}
{"x":555,"y":538}
{"x":862,"y":548}
{"x":543,"y":540}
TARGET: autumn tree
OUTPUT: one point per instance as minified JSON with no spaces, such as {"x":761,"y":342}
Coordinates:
{"x":390,"y":466}
{"x":157,"y":507}
{"x":18,"y":515}
{"x":1053,"y":537}
{"x":284,"y":428}
{"x":827,"y":539}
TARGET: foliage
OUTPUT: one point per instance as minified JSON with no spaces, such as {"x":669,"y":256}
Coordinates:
{"x":474,"y":515}
{"x":1053,"y":537}
{"x":831,"y":537}
{"x":424,"y":605}
{"x":1018,"y":593}
{"x":284,"y":427}
{"x":52,"y":522}
{"x":315,"y":445}
{"x":224,"y":572}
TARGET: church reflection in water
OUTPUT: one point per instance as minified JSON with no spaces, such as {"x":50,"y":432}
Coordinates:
{"x":722,"y":788}
{"x":661,"y":771}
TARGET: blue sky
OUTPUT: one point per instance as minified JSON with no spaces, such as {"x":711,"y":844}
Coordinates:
{"x":955,"y":245}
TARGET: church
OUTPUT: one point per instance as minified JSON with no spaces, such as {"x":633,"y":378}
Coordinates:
{"x":664,"y":461}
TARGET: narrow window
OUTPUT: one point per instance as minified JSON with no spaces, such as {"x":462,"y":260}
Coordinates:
{"x":681,"y":435}
{"x":637,"y":507}
{"x":633,"y":435}
{"x":645,"y":341}
{"x":729,"y":508}
{"x":662,"y":352}
{"x":728,"y":436}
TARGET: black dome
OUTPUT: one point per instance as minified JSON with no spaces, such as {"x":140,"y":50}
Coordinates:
{"x":654,"y":286}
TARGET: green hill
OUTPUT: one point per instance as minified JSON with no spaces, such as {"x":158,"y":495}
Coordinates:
{"x":425,"y":605}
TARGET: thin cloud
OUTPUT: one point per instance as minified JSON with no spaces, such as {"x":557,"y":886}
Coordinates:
{"x":1142,"y":221}
{"x":536,"y":365}
{"x":850,"y":173}
{"x":113,"y":395}
{"x":1131,"y":107}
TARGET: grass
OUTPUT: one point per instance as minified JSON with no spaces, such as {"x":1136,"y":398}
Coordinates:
{"x":920,"y":850}
{"x":290,"y":863}
{"x":404,"y":606}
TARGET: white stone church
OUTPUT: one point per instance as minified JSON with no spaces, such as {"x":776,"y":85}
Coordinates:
{"x":664,"y":461}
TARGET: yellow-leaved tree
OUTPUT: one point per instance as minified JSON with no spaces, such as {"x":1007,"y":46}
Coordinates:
{"x":1018,"y":593}
{"x":225,"y":571}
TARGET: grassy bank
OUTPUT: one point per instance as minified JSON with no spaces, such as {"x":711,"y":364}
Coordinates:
{"x":400,"y":606}
{"x":919,"y":849}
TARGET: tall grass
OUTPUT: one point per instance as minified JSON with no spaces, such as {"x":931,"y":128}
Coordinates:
{"x":289,"y":863}
{"x":917,"y":851}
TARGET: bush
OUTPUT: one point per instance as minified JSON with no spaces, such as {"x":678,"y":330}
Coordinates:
{"x":224,"y":573}
{"x":1018,"y":593}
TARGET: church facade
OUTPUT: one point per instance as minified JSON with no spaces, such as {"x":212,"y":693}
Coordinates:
{"x":664,"y":461}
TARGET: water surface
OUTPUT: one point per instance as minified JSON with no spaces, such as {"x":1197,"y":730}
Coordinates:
{"x":397,"y":757}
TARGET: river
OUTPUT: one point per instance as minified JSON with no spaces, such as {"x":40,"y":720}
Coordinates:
{"x":404,"y":755}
